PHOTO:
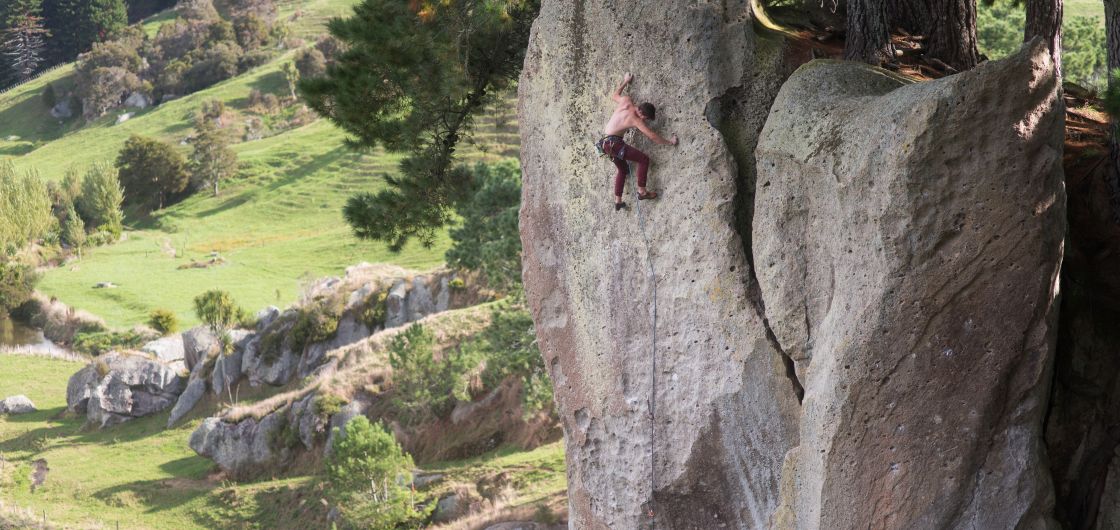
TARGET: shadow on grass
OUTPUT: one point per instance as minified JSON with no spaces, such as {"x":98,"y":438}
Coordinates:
{"x":274,"y":504}
{"x":154,"y":496}
{"x":228,"y":204}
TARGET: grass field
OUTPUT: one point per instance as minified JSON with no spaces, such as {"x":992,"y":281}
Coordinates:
{"x":142,"y":476}
{"x":276,"y":224}
{"x":1084,"y":8}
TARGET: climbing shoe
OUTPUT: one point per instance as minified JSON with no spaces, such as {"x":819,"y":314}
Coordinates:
{"x":648,"y":195}
{"x":620,"y":206}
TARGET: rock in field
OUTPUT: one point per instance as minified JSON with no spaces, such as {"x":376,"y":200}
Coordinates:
{"x":16,"y":405}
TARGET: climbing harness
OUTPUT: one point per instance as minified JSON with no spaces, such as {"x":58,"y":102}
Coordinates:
{"x":606,"y":145}
{"x":653,"y":373}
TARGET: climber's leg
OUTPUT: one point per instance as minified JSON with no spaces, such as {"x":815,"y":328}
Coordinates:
{"x":640,"y":158}
{"x":619,"y":181}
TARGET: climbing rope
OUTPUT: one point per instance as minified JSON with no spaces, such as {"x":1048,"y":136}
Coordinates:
{"x":652,"y":405}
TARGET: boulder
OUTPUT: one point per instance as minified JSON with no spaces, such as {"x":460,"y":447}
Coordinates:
{"x":242,"y":449}
{"x":80,"y":388}
{"x":227,"y":367}
{"x":168,"y":349}
{"x":267,"y":316}
{"x":137,"y":100}
{"x":62,"y":110}
{"x":199,"y":343}
{"x":311,"y":425}
{"x":196,"y":389}
{"x":17,"y":405}
{"x":420,"y":303}
{"x":665,"y":379}
{"x":396,"y":305}
{"x":908,"y":239}
{"x":132,"y":386}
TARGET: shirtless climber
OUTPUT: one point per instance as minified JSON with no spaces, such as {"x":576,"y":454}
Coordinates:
{"x":627,"y":115}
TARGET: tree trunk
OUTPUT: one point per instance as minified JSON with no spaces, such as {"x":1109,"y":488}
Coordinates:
{"x":910,"y":15}
{"x":868,"y":33}
{"x":1044,"y":19}
{"x":1112,"y":30}
{"x":952,"y":33}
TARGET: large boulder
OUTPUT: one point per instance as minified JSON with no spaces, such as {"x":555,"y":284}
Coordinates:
{"x":672,"y":396}
{"x":123,"y":386}
{"x":908,"y":239}
{"x":243,"y":449}
{"x":168,"y":349}
{"x":13,"y":405}
{"x":199,"y":343}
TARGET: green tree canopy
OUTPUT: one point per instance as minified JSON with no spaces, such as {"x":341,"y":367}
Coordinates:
{"x":151,"y":171}
{"x":212,"y":160}
{"x":487,"y":238}
{"x":25,"y":209}
{"x":411,"y":77}
{"x":100,"y":201}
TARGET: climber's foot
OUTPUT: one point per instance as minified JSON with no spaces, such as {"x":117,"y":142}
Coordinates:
{"x":620,"y":206}
{"x":648,"y":195}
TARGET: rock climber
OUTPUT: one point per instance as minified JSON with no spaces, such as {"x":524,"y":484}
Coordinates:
{"x":628,"y":115}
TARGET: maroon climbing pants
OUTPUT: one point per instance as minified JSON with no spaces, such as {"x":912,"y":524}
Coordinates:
{"x":620,"y":154}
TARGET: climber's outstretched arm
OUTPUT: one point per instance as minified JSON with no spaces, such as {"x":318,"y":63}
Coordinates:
{"x":617,"y":95}
{"x":654,"y":136}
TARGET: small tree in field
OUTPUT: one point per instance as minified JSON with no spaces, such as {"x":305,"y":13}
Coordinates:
{"x":74,"y":230}
{"x":99,"y":202}
{"x":151,"y":172}
{"x":212,"y":160}
{"x":370,"y":478}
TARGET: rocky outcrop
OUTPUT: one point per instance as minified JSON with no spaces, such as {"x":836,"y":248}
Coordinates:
{"x":14,"y":405}
{"x":908,"y":239}
{"x":244,"y":448}
{"x":118,"y":387}
{"x":672,"y":396}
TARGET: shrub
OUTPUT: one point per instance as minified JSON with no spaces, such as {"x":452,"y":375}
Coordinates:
{"x":49,"y":97}
{"x":217,"y":310}
{"x":376,"y":310}
{"x":509,"y":347}
{"x":251,"y":32}
{"x":271,"y":347}
{"x":100,"y":200}
{"x":369,"y":478}
{"x":311,"y":63}
{"x":423,"y":387}
{"x":101,"y":342}
{"x":163,"y":321}
{"x":25,"y":209}
{"x":151,"y":172}
{"x":316,"y":323}
{"x":17,"y":283}
{"x":327,"y":405}
{"x":286,"y":436}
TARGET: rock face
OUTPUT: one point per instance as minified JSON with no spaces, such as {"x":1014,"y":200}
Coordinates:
{"x":908,"y":240}
{"x":16,"y":405}
{"x":241,"y":448}
{"x":662,"y":291}
{"x":118,"y":387}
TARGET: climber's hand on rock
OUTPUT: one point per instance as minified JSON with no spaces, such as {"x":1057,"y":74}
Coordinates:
{"x":674,"y":140}
{"x":628,"y":77}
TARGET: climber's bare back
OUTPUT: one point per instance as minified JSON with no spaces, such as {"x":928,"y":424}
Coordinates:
{"x":624,"y":117}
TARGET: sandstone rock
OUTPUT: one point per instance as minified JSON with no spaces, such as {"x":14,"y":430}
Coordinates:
{"x":908,"y":239}
{"x":267,"y":316}
{"x":168,"y":350}
{"x":449,"y":508}
{"x":133,"y":386}
{"x":80,"y":387}
{"x":396,"y":305}
{"x":420,"y":303}
{"x":16,"y":405}
{"x":137,"y":100}
{"x":242,"y":449}
{"x":199,"y":343}
{"x":196,"y":389}
{"x":312,"y":426}
{"x":667,"y":282}
{"x":227,"y":367}
{"x":62,"y":110}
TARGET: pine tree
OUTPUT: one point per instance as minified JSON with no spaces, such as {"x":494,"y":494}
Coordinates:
{"x":76,"y":24}
{"x":23,"y":42}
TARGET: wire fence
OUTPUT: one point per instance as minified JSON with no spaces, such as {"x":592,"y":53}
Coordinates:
{"x":33,"y":78}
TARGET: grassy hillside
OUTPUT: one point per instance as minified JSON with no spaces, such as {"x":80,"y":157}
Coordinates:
{"x":140,"y":476}
{"x":278,"y":222}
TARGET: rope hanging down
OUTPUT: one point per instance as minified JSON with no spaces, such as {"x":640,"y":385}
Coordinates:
{"x":652,"y":405}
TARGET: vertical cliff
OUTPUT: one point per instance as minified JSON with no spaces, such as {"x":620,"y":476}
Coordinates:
{"x":904,"y":287}
{"x":698,"y":440}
